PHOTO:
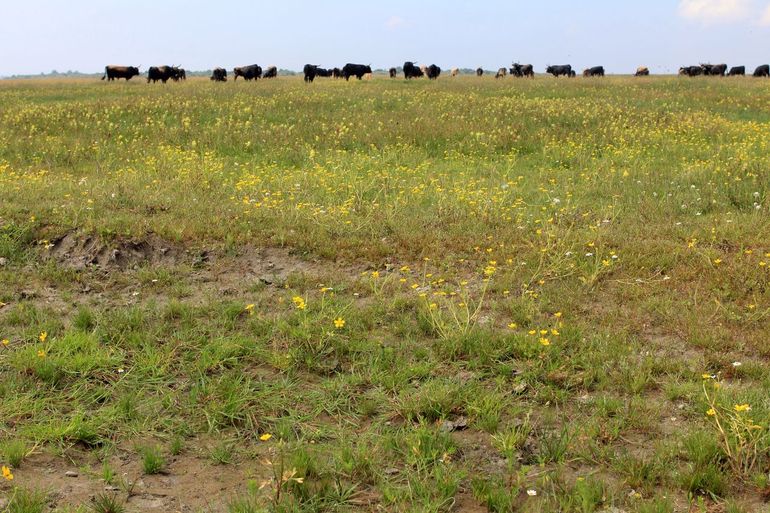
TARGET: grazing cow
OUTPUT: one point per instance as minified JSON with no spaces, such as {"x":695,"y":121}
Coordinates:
{"x":323,"y":72}
{"x":113,"y":72}
{"x":454,"y":72}
{"x":355,"y":70}
{"x":642,"y":71}
{"x":163,"y":73}
{"x":219,"y":75}
{"x":252,"y":72}
{"x":762,"y":71}
{"x":392,"y":72}
{"x":501,"y":73}
{"x":270,"y":72}
{"x":596,"y":71}
{"x":737,"y":71}
{"x":336,"y":73}
{"x":479,"y":72}
{"x":691,"y":71}
{"x":310,"y":71}
{"x":714,"y":69}
{"x":412,"y":71}
{"x":180,"y":74}
{"x":563,"y":69}
{"x":522,"y":70}
{"x":433,"y":72}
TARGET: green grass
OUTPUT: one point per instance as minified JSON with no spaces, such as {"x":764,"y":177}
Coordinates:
{"x":351,"y":268}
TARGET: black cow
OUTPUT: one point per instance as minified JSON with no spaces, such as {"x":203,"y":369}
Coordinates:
{"x":336,"y":73}
{"x":219,"y":75}
{"x":310,"y":71}
{"x":251,"y":72}
{"x":411,"y":71}
{"x":691,"y":71}
{"x":392,"y":72}
{"x":762,"y":71}
{"x":522,"y":70}
{"x":270,"y":72}
{"x":163,"y":73}
{"x":562,"y":69}
{"x":355,"y":70}
{"x":113,"y":72}
{"x":479,"y":72}
{"x":642,"y":71}
{"x":714,"y":69}
{"x":433,"y":72}
{"x":501,"y":73}
{"x":596,"y":71}
{"x":737,"y":71}
{"x":180,"y":74}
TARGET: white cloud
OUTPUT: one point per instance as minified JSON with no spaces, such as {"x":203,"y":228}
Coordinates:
{"x":715,"y":11}
{"x":395,"y":22}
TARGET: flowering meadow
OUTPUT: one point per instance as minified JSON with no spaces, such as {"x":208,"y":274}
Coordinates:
{"x":465,"y":295}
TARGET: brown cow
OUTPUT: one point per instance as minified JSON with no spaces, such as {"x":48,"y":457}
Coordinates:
{"x":113,"y":72}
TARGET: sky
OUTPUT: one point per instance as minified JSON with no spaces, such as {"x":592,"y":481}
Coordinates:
{"x":84,"y":35}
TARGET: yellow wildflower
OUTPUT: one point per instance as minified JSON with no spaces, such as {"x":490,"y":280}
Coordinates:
{"x":711,"y":412}
{"x":544,"y":341}
{"x":266,"y":437}
{"x":742,"y":407}
{"x":7,"y":474}
{"x":339,"y":323}
{"x":43,"y":336}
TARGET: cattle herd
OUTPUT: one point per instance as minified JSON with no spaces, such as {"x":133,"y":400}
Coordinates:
{"x":410,"y":70}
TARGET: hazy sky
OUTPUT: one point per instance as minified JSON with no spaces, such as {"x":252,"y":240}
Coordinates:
{"x":84,"y":35}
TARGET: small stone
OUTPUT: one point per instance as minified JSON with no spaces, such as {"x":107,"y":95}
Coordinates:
{"x":111,"y":488}
{"x":3,"y":261}
{"x":454,"y":425}
{"x":71,"y":473}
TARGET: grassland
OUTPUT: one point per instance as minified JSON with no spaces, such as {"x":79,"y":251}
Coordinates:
{"x":468,"y":295}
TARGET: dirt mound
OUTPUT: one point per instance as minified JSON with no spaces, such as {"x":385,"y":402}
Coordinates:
{"x":80,"y":251}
